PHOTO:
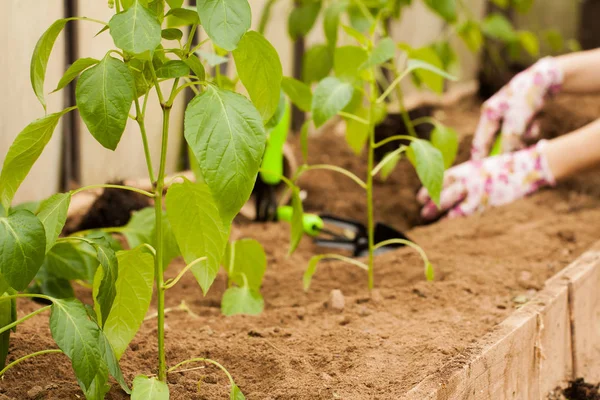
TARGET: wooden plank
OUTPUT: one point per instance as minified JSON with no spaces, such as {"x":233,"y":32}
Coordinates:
{"x":584,"y":281}
{"x":99,"y":164}
{"x":549,"y":341}
{"x":18,"y":102}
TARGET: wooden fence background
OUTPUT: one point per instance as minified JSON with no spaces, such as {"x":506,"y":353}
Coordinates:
{"x":26,"y":20}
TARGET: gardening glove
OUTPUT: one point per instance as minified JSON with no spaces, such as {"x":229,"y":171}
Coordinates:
{"x":512,"y":109}
{"x":477,"y":184}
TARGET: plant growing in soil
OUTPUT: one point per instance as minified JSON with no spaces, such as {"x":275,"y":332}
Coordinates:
{"x":224,"y":130}
{"x":354,"y":93}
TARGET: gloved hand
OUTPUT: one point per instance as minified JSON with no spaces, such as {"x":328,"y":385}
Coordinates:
{"x":512,"y":109}
{"x":477,"y":184}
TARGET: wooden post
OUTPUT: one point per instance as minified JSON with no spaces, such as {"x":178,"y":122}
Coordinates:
{"x":589,"y":30}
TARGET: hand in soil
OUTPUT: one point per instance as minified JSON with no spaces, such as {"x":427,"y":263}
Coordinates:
{"x":477,"y":184}
{"x":512,"y":109}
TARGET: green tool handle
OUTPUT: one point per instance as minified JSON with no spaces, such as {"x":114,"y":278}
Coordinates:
{"x":497,"y":147}
{"x":272,"y":165}
{"x":312,"y":223}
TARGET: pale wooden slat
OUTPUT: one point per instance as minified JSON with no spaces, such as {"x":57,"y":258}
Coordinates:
{"x":24,"y":21}
{"x":100,"y":165}
{"x":585,"y":315}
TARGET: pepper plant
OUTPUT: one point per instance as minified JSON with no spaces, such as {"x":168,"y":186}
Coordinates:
{"x":354,"y":94}
{"x":224,"y":130}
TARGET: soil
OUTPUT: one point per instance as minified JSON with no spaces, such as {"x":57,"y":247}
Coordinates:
{"x":577,"y":390}
{"x":112,"y":208}
{"x":378,"y":346}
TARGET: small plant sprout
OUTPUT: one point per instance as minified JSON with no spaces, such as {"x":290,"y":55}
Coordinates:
{"x":353,"y":93}
{"x":226,"y":134}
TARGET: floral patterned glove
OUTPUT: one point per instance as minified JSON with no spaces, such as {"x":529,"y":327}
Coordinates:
{"x":477,"y":184}
{"x":513,"y":108}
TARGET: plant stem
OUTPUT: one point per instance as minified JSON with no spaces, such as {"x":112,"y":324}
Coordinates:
{"x":172,"y":282}
{"x":25,"y":318}
{"x":392,"y":138}
{"x":108,"y":186}
{"x":206,"y":360}
{"x":158,"y":259}
{"x":370,"y":165}
{"x":28,"y":356}
{"x":341,"y":170}
{"x":140,"y":118}
{"x":405,"y":116}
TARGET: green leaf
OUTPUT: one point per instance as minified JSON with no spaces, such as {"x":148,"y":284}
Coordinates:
{"x":108,"y":286}
{"x":141,"y":229}
{"x":530,"y":43}
{"x":444,"y":8}
{"x":157,"y":8}
{"x":104,"y":95}
{"x":555,"y":40}
{"x":65,"y":260}
{"x":99,"y":386}
{"x":173,"y":69}
{"x":134,"y":292}
{"x":51,"y":285}
{"x":384,"y":51}
{"x":470,"y":32}
{"x":74,"y":70}
{"x":297,"y":223}
{"x":298,"y":92}
{"x":260,"y":71}
{"x":246,"y":257}
{"x":199,"y":231}
{"x":175,"y":3}
{"x":24,"y":152}
{"x":311,"y":270}
{"x":303,"y":18}
{"x":389,"y":164}
{"x":212,"y":59}
{"x":445,"y":139}
{"x":78,"y":337}
{"x":31,"y":206}
{"x":228,"y":139}
{"x":145,"y":388}
{"x":40,"y":57}
{"x":171,"y":34}
{"x":23,"y":248}
{"x":182,"y":17}
{"x":331,"y":22}
{"x":331,"y":96}
{"x":357,"y":133}
{"x":236,"y":393}
{"x":501,"y":3}
{"x":196,"y":66}
{"x":317,"y":63}
{"x":429,"y":163}
{"x":358,"y":20}
{"x":225,"y":21}
{"x":136,"y":29}
{"x":498,"y":27}
{"x":429,"y":68}
{"x":53,"y":215}
{"x":348,"y":61}
{"x":242,"y":300}
{"x":358,"y":36}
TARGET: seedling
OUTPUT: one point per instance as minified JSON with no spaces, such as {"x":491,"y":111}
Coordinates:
{"x":354,"y":94}
{"x":226,"y":134}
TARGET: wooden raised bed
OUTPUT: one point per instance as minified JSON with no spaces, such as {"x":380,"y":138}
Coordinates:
{"x":551,"y":340}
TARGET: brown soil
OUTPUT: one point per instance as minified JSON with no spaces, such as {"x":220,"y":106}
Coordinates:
{"x":112,"y":208}
{"x":379,"y":346}
{"x":577,"y":390}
